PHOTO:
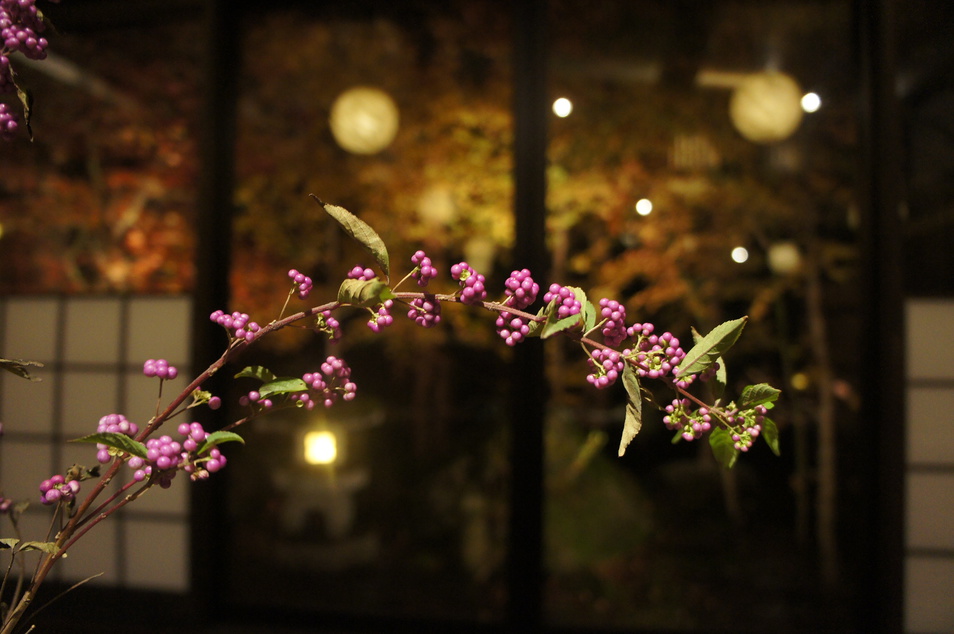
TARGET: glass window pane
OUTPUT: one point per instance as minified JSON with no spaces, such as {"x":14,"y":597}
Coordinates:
{"x":690,"y":181}
{"x":402,"y":116}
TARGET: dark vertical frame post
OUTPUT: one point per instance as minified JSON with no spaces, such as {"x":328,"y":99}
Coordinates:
{"x":213,"y":245}
{"x":884,"y":299}
{"x":528,"y":402}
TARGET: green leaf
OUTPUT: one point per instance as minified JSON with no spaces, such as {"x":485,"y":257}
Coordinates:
{"x":217,"y":438}
{"x":553,"y":324}
{"x":759,"y":394}
{"x":589,"y":315}
{"x":26,"y":100}
{"x":263,"y":374}
{"x":47,"y":547}
{"x":121,"y":442}
{"x":19,"y":367}
{"x":9,"y":543}
{"x":360,"y":231}
{"x":770,"y":434}
{"x":718,"y":383}
{"x":287,"y":385}
{"x":723,"y":447}
{"x":634,"y":408}
{"x":708,"y":350}
{"x":364,"y":293}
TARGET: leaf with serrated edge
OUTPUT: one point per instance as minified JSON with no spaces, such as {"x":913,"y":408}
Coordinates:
{"x":364,"y":293}
{"x":19,"y":367}
{"x":770,"y":434}
{"x":287,"y":385}
{"x":360,"y":231}
{"x":261,"y":373}
{"x":723,"y":447}
{"x":116,"y":441}
{"x":47,"y":547}
{"x":758,"y":394}
{"x":217,"y":438}
{"x":718,"y":383}
{"x":634,"y":408}
{"x":711,"y":347}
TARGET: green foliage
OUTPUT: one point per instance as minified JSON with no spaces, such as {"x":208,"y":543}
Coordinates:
{"x":19,"y":367}
{"x":284,"y":385}
{"x":723,"y":447}
{"x":217,"y":438}
{"x":634,"y":408}
{"x":12,"y":543}
{"x":770,"y":434}
{"x":121,"y":442}
{"x":707,"y":351}
{"x":256,"y":372}
{"x":552,"y":324}
{"x":363,"y":293}
{"x":360,"y":231}
{"x":760,"y":394}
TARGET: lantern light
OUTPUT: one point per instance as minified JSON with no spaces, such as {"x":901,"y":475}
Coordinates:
{"x":766,"y":107}
{"x":364,"y":120}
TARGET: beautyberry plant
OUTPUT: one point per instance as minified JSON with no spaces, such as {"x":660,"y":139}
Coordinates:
{"x":615,"y":352}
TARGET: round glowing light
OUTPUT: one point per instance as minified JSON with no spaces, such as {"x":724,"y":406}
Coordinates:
{"x":740,"y":254}
{"x":766,"y":107}
{"x":364,"y":120}
{"x":811,"y":102}
{"x":562,"y":107}
{"x":800,"y":381}
{"x":644,"y":206}
{"x":321,"y":447}
{"x":784,"y":258}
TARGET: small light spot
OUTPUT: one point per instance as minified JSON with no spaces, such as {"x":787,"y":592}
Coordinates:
{"x":562,"y":107}
{"x":644,"y":206}
{"x":811,"y":102}
{"x":740,"y":254}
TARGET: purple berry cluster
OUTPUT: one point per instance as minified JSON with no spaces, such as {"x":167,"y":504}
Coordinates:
{"x":691,"y":424}
{"x":237,"y":324}
{"x":361,"y":273}
{"x":472,"y":283}
{"x":606,"y":366}
{"x":113,"y":424}
{"x":58,"y":489}
{"x":165,"y":456}
{"x":333,"y":380}
{"x":381,"y":318}
{"x":567,"y":303}
{"x":8,"y":120}
{"x":424,"y":269}
{"x":325,"y":322}
{"x":302,"y":283}
{"x":20,"y":28}
{"x":160,"y":368}
{"x":614,"y":327}
{"x":746,"y":426}
{"x":425,"y":311}
{"x":521,"y":291}
{"x":655,"y":356}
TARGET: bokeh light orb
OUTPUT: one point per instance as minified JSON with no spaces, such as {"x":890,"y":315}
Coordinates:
{"x":364,"y":120}
{"x":766,"y":107}
{"x":784,"y":258}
